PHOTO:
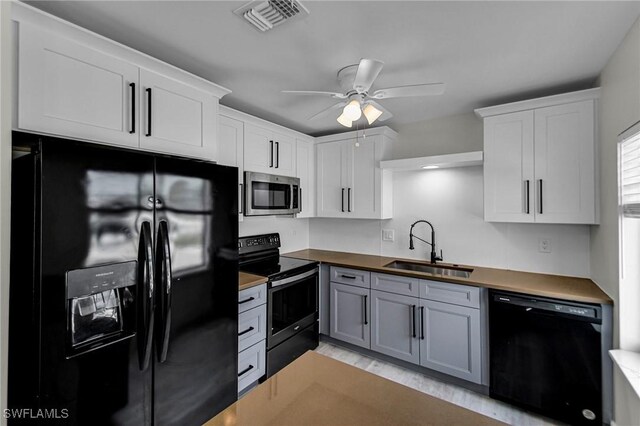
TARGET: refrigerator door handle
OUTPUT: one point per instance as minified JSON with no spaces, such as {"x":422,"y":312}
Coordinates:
{"x":163,"y":265}
{"x":145,"y":296}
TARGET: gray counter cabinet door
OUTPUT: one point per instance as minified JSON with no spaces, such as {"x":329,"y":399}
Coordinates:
{"x":451,"y":340}
{"x":350,"y":314}
{"x":395,"y":325}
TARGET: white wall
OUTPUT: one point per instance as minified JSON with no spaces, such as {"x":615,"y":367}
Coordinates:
{"x":619,"y":109}
{"x":452,"y":199}
{"x":5,"y":186}
{"x":294,"y":233}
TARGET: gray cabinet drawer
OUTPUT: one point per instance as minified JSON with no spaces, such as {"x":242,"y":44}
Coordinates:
{"x":251,"y":297}
{"x":252,"y":327}
{"x":395,"y":284}
{"x":457,"y":294}
{"x":350,"y":276}
{"x":251,"y":365}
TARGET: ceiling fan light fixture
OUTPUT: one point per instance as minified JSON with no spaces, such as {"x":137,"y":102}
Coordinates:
{"x":372,"y":113}
{"x":352,"y":111}
{"x":345,"y":121}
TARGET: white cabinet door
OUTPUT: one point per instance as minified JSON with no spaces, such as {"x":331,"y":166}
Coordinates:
{"x":305,"y":166}
{"x":73,"y":90}
{"x":231,"y":152}
{"x":364,"y":177}
{"x":177,"y":118}
{"x":508,"y":168}
{"x":331,"y":171}
{"x":284,"y":152}
{"x":565,"y":163}
{"x":258,"y":149}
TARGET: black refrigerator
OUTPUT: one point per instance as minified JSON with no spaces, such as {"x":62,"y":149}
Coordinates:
{"x":124,"y":295}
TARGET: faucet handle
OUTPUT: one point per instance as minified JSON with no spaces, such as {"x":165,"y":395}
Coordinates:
{"x":439,"y":257}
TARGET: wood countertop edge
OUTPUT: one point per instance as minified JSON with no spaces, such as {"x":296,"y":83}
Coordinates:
{"x":246,"y":280}
{"x":492,"y":278}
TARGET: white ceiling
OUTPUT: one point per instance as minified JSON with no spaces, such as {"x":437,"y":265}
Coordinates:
{"x":486,"y":52}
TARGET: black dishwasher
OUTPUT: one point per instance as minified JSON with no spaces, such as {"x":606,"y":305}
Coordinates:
{"x":545,"y":355}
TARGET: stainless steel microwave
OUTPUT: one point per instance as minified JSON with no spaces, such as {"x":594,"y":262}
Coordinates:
{"x":267,"y":194}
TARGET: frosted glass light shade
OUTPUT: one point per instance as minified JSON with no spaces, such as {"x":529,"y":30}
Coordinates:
{"x":372,"y":113}
{"x":352,"y":111}
{"x":344,"y":120}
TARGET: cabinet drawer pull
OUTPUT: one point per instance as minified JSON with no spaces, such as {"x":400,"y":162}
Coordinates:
{"x":270,"y":153}
{"x":246,"y":300}
{"x":351,"y":277}
{"x":133,"y":107}
{"x":540,"y":195}
{"x":366,"y":321}
{"x":245,"y":331}
{"x":342,"y":199}
{"x":422,"y":322}
{"x":349,"y":200}
{"x":277,"y":155}
{"x":246,"y":370}
{"x":527,"y":210}
{"x":148,"y":112}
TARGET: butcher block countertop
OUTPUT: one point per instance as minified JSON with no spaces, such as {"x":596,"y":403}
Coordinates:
{"x":246,"y":280}
{"x":318,"y":390}
{"x":561,"y":287}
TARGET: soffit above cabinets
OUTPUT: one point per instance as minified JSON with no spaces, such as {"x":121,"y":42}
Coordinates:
{"x":463,"y":159}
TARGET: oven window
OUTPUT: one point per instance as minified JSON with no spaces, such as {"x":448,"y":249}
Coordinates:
{"x":270,"y":196}
{"x":293,"y":302}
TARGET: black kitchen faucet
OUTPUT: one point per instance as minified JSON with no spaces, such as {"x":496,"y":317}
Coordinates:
{"x":434,"y":256}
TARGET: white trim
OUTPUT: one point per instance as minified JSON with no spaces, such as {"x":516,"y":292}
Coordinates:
{"x":357,"y":134}
{"x":248,"y":118}
{"x":24,"y":12}
{"x":463,"y":159}
{"x":564,"y":98}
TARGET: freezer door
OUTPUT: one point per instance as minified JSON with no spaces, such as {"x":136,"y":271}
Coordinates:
{"x":197,"y":278}
{"x":83,"y":220}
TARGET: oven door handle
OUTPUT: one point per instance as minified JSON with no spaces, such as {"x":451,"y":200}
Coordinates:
{"x":294,"y":278}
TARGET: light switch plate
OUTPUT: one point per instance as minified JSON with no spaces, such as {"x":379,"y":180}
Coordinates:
{"x":544,"y":245}
{"x":388,"y":235}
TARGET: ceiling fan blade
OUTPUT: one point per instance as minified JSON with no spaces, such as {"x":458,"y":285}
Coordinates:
{"x":407,"y":91}
{"x":315,"y":92}
{"x":367,"y":72}
{"x":326,"y":111}
{"x":385,"y":113}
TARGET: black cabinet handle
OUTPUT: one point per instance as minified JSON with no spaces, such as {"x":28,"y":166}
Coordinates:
{"x":246,"y":300}
{"x":527,"y":196}
{"x":343,"y":199}
{"x":300,"y":200}
{"x":349,"y":200}
{"x":148,"y":112}
{"x":413,"y":320}
{"x":351,"y":277}
{"x":246,"y":370}
{"x":133,"y":107}
{"x":540,"y":194}
{"x":245,"y":331}
{"x":366,"y":321}
{"x":422,"y":322}
{"x":277,"y":155}
{"x":270,"y":153}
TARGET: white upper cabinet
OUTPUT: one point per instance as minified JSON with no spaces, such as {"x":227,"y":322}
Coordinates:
{"x":76,"y":84}
{"x":540,"y":160}
{"x":305,"y":170}
{"x":268,"y":151}
{"x":231,"y":152}
{"x":73,"y":90}
{"x":176,"y":117}
{"x":350,"y":182}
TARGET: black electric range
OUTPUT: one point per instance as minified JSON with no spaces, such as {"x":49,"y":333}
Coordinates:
{"x":292,"y":303}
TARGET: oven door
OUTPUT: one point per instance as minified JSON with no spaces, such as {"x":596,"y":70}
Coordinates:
{"x":293,"y":305}
{"x":270,"y":194}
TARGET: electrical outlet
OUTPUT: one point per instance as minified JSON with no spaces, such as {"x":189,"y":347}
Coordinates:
{"x":544,"y":245}
{"x":388,"y":235}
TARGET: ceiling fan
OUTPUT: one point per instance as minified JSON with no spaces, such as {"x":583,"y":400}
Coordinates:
{"x":356,"y":100}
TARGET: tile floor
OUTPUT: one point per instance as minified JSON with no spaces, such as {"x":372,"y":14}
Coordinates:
{"x":473,"y":401}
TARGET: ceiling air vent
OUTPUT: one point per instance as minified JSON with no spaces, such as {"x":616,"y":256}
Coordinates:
{"x":265,"y":15}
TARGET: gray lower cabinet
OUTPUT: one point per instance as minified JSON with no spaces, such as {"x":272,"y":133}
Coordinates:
{"x":349,"y":314}
{"x":450,"y":339}
{"x":395,"y":325}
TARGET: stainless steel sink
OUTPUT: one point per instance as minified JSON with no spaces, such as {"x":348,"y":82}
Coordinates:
{"x":430,"y":269}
